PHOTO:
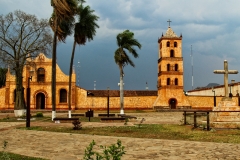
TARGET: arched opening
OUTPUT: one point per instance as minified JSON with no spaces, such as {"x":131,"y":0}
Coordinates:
{"x":176,"y":81}
{"x":63,"y":96}
{"x":175,"y":44}
{"x":168,"y":67}
{"x":176,"y":67}
{"x":172,"y":53}
{"x":168,"y":81}
{"x":172,"y":103}
{"x":40,"y":75}
{"x":40,"y":101}
{"x":168,"y":44}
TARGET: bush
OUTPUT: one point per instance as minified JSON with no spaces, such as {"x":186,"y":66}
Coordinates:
{"x":113,"y":152}
{"x":39,"y":114}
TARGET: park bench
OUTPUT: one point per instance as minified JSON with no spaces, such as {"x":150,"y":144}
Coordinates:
{"x":105,"y":115}
{"x":63,"y":119}
{"x":127,"y":116}
{"x":77,"y":114}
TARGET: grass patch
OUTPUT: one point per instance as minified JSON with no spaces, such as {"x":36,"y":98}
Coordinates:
{"x":155,"y":131}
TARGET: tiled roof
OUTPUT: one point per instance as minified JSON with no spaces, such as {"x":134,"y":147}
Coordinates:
{"x":116,"y":93}
{"x":170,"y":33}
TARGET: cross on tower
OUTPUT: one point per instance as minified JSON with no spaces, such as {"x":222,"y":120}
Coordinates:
{"x":169,"y":22}
{"x":225,"y":72}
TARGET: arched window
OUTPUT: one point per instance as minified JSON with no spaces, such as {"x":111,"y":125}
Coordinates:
{"x":176,"y":81}
{"x":41,"y":75}
{"x":176,"y":67}
{"x":160,"y":45}
{"x":168,"y":67}
{"x":175,"y":44}
{"x":168,"y":44}
{"x":168,"y":81}
{"x":63,"y":96}
{"x":171,"y":53}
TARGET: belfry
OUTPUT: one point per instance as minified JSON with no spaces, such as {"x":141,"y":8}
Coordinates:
{"x":170,"y":72}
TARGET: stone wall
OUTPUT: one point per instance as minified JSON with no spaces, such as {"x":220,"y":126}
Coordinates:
{"x":205,"y":102}
{"x":85,"y":101}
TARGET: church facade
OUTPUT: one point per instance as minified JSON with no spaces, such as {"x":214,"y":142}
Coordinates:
{"x":169,"y":94}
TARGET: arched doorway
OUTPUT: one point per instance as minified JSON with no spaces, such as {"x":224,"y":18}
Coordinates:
{"x":40,"y":101}
{"x":172,"y":103}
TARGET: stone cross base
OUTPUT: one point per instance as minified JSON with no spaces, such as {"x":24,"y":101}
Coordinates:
{"x":225,"y":119}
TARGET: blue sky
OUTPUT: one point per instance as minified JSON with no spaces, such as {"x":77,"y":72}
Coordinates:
{"x":211,"y":27}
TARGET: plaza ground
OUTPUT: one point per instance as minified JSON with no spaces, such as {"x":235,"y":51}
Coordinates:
{"x":66,"y":146}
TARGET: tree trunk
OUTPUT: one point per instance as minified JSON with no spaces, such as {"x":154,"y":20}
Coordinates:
{"x":19,"y":105}
{"x":70,"y":81}
{"x":121,"y":92}
{"x":19,"y":100}
{"x":54,"y":57}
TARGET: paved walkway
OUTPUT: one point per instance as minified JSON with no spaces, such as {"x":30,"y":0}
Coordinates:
{"x":65,"y":146}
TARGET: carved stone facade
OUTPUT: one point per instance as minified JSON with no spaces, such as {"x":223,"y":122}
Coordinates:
{"x":40,"y":85}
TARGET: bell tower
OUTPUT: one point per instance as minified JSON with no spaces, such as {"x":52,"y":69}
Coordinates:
{"x":170,"y":71}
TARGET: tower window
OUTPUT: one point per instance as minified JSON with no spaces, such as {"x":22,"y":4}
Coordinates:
{"x":63,"y":95}
{"x":168,"y":81}
{"x":168,"y":67}
{"x":41,"y":75}
{"x":176,"y":67}
{"x":168,"y":44}
{"x":160,"y":68}
{"x":172,"y":53}
{"x":176,"y":81}
{"x":175,"y":44}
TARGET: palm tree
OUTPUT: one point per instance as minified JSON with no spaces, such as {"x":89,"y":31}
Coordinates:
{"x":84,"y":30}
{"x":63,"y":10}
{"x":125,"y":42}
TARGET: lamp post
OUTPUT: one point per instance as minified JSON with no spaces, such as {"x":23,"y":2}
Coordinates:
{"x":28,"y":99}
{"x":108,"y":102}
{"x":214,"y":97}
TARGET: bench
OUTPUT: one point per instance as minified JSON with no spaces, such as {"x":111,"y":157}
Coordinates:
{"x":62,"y":119}
{"x":127,"y":116}
{"x":77,"y":114}
{"x":105,"y":115}
{"x":115,"y":119}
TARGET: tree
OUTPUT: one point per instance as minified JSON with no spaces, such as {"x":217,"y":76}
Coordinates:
{"x":22,"y":37}
{"x":3,"y":72}
{"x":84,"y":30}
{"x":125,"y":42}
{"x":63,"y":12}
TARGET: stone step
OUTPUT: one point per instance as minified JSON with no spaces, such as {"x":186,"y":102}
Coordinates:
{"x":225,"y":124}
{"x":227,"y":119}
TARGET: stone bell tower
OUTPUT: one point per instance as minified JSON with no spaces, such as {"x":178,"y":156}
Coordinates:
{"x":170,"y":72}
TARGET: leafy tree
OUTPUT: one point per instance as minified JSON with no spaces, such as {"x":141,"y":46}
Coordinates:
{"x":84,"y":30}
{"x":22,"y":36}
{"x":63,"y":13}
{"x":125,"y":42}
{"x":3,"y":72}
